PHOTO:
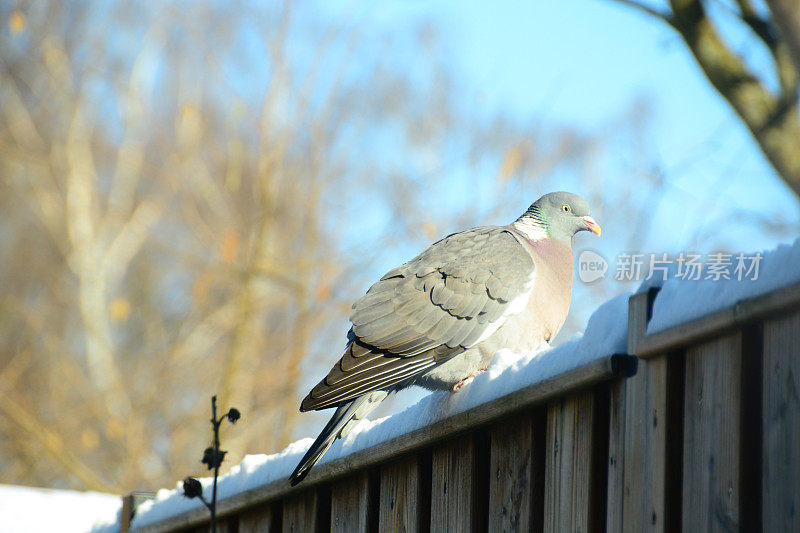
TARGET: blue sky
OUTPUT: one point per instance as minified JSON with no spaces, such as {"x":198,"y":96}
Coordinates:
{"x":581,"y":64}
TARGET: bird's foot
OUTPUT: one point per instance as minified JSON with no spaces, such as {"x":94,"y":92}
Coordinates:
{"x":457,"y":387}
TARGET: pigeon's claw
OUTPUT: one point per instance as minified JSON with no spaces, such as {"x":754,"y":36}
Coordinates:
{"x":457,"y":387}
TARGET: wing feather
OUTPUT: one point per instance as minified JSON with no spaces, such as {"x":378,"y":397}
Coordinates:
{"x":372,"y":313}
{"x":426,"y":311}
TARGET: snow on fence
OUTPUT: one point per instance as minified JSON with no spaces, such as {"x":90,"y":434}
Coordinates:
{"x":699,"y":429}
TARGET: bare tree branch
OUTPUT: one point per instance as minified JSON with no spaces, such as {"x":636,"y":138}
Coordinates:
{"x":644,"y":8}
{"x":786,"y":14}
{"x":767,"y":31}
{"x":774,"y":122}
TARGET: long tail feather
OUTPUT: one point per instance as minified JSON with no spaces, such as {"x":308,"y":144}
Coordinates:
{"x":338,"y":426}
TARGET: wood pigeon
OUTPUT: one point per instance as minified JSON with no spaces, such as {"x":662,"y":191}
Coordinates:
{"x":437,"y":320}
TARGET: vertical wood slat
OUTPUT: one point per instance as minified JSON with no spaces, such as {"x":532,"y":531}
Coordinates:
{"x":511,"y":474}
{"x":257,"y":520}
{"x":300,"y":512}
{"x":130,"y":502}
{"x":125,"y":513}
{"x":539,"y":461}
{"x":569,"y":463}
{"x":645,"y":447}
{"x":639,"y":306}
{"x":350,"y":504}
{"x":711,"y":449}
{"x":452,"y":487}
{"x":616,"y":457}
{"x":400,"y":488}
{"x":223,"y":526}
{"x":781,"y":437}
{"x":637,"y":441}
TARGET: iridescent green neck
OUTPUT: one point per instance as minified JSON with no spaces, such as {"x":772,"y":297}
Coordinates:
{"x":536,"y":217}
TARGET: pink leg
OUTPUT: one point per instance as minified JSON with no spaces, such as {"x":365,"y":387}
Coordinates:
{"x":467,"y":379}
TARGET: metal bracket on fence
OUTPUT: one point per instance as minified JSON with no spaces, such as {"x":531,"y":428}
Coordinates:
{"x":624,"y":364}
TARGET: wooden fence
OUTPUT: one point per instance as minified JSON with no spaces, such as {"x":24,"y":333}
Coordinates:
{"x":699,"y":431}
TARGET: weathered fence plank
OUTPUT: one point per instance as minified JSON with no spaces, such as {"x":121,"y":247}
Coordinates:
{"x":452,"y":488}
{"x":616,"y":457}
{"x":781,"y":441}
{"x":568,"y":463}
{"x":260,"y":519}
{"x":300,"y":512}
{"x":636,"y":454}
{"x":400,"y":488}
{"x":645,"y":447}
{"x":511,"y":474}
{"x":350,"y":504}
{"x":711,"y":449}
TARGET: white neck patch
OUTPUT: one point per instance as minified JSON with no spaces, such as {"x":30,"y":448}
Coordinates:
{"x":528,"y":228}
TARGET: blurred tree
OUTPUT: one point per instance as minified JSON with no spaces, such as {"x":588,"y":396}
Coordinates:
{"x":771,"y":114}
{"x":184,"y":194}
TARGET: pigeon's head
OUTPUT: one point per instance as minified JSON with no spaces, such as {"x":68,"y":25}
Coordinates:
{"x":560,"y":215}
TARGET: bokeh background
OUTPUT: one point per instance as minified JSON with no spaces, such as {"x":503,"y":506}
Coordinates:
{"x":193,"y":193}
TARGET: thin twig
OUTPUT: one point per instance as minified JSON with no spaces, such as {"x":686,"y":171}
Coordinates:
{"x":216,"y":423}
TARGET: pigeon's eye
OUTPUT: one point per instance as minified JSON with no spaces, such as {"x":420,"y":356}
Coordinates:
{"x":565,"y":208}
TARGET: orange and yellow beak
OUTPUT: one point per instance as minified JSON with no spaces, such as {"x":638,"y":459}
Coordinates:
{"x":591,"y":225}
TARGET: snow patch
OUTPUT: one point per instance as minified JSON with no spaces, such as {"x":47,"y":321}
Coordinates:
{"x":681,"y":301}
{"x":28,"y":509}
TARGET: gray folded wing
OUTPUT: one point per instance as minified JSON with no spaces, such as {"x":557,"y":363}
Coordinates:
{"x":426,"y":311}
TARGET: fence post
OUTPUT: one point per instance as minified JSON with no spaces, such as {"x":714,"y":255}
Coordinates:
{"x":630,"y":504}
{"x":129,"y":504}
